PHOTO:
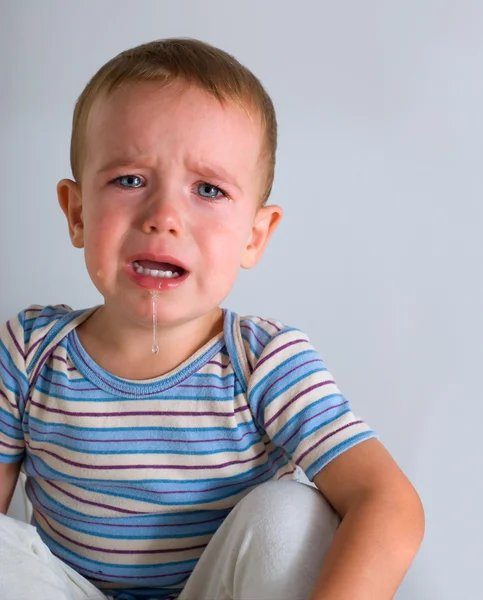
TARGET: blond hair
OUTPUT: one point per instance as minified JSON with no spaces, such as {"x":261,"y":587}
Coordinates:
{"x":193,"y":61}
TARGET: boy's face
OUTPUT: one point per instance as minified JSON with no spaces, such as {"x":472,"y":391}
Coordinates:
{"x":173,"y":177}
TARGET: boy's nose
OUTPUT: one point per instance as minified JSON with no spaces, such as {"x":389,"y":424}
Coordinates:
{"x":163,"y":215}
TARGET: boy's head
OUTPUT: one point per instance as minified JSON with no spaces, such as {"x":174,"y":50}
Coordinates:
{"x":193,"y":62}
{"x":173,"y":153}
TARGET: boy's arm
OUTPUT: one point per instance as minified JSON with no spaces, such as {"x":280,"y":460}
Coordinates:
{"x":8,"y":480}
{"x":381,"y":530}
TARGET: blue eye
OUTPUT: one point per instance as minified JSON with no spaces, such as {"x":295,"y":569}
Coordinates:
{"x":209,"y":191}
{"x":129,"y":181}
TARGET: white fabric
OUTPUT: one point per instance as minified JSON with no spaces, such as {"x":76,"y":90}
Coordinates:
{"x":270,"y":547}
{"x":29,"y":571}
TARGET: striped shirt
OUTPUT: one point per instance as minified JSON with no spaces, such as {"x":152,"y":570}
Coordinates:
{"x":129,"y":480}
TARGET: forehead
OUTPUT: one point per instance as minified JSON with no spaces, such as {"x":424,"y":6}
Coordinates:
{"x":177,"y":121}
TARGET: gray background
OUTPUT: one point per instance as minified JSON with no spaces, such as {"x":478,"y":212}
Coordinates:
{"x":379,"y":173}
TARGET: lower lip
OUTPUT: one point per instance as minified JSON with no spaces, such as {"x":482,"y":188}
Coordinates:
{"x":159,"y":284}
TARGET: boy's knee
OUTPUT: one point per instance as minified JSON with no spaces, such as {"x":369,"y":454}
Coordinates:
{"x":285,"y":529}
{"x":287,"y":509}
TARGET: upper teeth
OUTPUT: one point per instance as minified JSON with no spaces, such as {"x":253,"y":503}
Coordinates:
{"x":154,"y":272}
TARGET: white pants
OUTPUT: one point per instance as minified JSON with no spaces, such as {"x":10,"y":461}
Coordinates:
{"x":270,"y":547}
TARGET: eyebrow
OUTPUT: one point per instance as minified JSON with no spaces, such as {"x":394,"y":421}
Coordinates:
{"x":120,"y":161}
{"x":216,"y":172}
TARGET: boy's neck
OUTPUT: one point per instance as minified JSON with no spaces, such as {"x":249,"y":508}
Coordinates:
{"x":124,"y":349}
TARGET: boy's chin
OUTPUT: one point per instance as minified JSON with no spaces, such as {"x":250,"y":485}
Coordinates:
{"x":166,"y":314}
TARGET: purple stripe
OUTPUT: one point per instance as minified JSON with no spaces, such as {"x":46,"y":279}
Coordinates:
{"x":145,"y":466}
{"x":218,"y":364}
{"x":215,"y":387}
{"x":287,"y":473}
{"x":277,"y":350}
{"x":11,"y":426}
{"x":326,"y":438}
{"x":211,"y":489}
{"x":271,"y":465}
{"x":81,"y":570}
{"x":35,"y":344}
{"x":59,"y":358}
{"x":14,"y":406}
{"x":10,"y":446}
{"x":271,"y":323}
{"x":40,"y":365}
{"x":108,"y":551}
{"x":158,"y":525}
{"x":252,"y":332}
{"x":67,"y":387}
{"x":139,"y":413}
{"x":34,"y":310}
{"x":299,"y":395}
{"x":52,"y":316}
{"x":90,"y":503}
{"x":6,"y":370}
{"x":113,"y":441}
{"x":64,"y":361}
{"x":17,"y":345}
{"x":260,"y":404}
{"x":314,"y":417}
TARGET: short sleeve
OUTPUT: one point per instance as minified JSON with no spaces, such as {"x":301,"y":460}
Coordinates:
{"x":295,"y":399}
{"x":13,"y":387}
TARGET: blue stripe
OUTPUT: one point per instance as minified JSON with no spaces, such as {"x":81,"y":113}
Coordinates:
{"x":320,"y":463}
{"x":19,"y":377}
{"x":277,"y":391}
{"x":158,"y":523}
{"x":196,"y":396}
{"x":99,"y":531}
{"x":89,"y":448}
{"x":196,"y":498}
{"x":256,"y":351}
{"x":11,"y":433}
{"x":292,"y":361}
{"x":291,"y":447}
{"x":258,"y":329}
{"x":145,"y":520}
{"x":297,"y":419}
{"x":58,"y":326}
{"x":123,"y":570}
{"x":231,"y":348}
{"x":11,"y":458}
{"x":13,"y":421}
{"x":55,"y":374}
{"x":155,"y":429}
{"x":47,"y":472}
{"x":43,"y":319}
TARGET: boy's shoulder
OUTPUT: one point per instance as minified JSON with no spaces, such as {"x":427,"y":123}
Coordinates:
{"x":35,"y":321}
{"x":23,"y":333}
{"x":267,"y":338}
{"x":21,"y":340}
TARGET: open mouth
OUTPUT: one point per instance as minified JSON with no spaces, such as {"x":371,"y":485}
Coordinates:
{"x":160,"y":270}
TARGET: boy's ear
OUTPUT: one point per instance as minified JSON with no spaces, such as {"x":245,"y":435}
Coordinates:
{"x":266,"y":221}
{"x":70,"y":200}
